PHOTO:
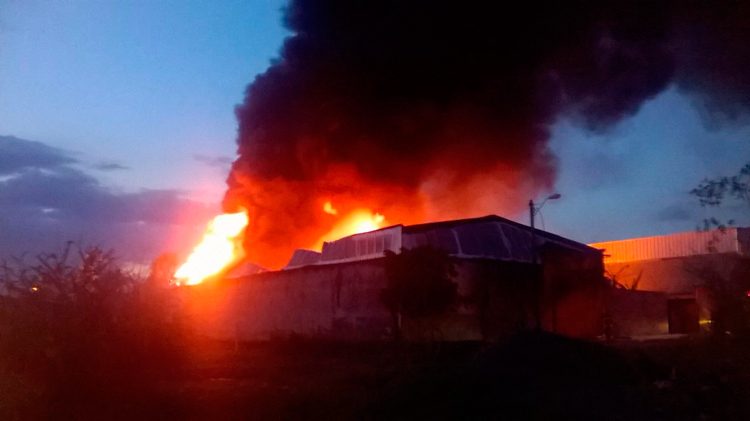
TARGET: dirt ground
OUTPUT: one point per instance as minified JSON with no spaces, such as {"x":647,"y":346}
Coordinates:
{"x":531,"y":376}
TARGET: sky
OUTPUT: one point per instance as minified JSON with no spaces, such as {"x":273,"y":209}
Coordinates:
{"x":635,"y":179}
{"x":127,"y":100}
{"x":117,"y":128}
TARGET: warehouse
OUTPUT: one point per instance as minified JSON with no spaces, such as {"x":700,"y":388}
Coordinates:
{"x":509,"y":278}
{"x":695,"y":272}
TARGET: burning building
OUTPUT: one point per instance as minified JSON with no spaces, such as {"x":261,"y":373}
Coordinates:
{"x":509,"y":278}
{"x":416,"y":111}
{"x":431,"y":110}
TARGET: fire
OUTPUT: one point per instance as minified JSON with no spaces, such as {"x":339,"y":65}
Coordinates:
{"x":369,"y":223}
{"x":358,"y":221}
{"x":329,"y":209}
{"x":221,"y":246}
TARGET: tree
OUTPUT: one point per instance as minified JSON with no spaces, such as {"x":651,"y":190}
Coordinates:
{"x":76,"y":329}
{"x":728,"y":289}
{"x":419,"y":285}
{"x":163,"y":269}
{"x":727,"y":284}
{"x":714,"y":192}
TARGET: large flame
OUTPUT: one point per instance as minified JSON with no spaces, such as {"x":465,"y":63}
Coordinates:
{"x":356,"y":222}
{"x":221,"y":246}
{"x":329,"y":209}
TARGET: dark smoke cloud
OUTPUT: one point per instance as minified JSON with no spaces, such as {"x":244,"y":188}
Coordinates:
{"x":429,"y":109}
{"x":713,"y":57}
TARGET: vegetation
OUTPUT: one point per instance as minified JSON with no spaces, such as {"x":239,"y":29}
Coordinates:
{"x":82,"y":339}
{"x":715,"y":192}
{"x":727,"y":286}
{"x":727,"y":283}
{"x":76,"y":331}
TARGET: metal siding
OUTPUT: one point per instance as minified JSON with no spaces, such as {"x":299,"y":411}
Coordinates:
{"x":481,"y":238}
{"x":361,"y":246}
{"x":666,"y":246}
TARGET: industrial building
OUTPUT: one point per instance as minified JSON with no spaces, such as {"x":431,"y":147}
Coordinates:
{"x":509,"y":277}
{"x":682,"y":277}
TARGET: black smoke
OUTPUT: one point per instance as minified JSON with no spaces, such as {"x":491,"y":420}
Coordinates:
{"x":431,"y":109}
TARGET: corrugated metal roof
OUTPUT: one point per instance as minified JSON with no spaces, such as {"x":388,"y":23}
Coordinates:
{"x":480,"y":239}
{"x":302,"y":257}
{"x":368,"y":245}
{"x":565,"y":242}
{"x":673,"y":245}
{"x":490,"y":237}
{"x":243,"y":270}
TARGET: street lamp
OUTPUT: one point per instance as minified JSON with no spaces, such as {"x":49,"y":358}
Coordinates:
{"x":533,"y":209}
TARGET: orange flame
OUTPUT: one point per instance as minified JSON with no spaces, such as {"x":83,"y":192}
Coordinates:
{"x":220,"y":247}
{"x":329,"y":209}
{"x":356,"y":222}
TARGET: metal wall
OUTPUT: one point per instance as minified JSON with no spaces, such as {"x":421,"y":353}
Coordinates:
{"x":675,"y":245}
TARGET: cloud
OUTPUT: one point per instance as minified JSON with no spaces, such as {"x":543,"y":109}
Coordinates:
{"x":602,"y":169}
{"x":675,"y":212}
{"x":214,"y":161}
{"x":46,"y":201}
{"x":18,"y":154}
{"x":110,"y":166}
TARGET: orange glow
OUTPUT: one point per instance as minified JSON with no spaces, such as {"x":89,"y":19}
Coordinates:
{"x":220,"y":247}
{"x":329,"y":209}
{"x":290,"y":213}
{"x":356,"y":222}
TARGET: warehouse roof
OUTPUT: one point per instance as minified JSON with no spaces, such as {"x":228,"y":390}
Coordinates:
{"x":693,"y":243}
{"x":491,"y":237}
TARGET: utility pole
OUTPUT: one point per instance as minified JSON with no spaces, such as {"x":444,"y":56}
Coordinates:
{"x":533,"y":209}
{"x":532,"y":212}
{"x":537,"y":284}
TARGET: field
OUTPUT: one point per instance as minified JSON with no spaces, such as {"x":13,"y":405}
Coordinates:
{"x":531,"y":376}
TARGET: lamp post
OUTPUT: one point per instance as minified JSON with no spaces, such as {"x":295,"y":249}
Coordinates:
{"x":533,"y":209}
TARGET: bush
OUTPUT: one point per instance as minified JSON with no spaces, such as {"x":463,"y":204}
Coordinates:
{"x":76,"y":330}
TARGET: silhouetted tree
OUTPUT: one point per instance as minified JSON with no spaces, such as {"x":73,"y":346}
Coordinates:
{"x":420,"y":284}
{"x":76,"y":329}
{"x":727,"y":284}
{"x":728,"y":293}
{"x":163,"y":269}
{"x":714,"y":192}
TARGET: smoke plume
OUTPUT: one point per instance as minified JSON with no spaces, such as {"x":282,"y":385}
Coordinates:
{"x":424,"y":110}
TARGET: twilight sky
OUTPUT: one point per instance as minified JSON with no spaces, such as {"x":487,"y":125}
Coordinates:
{"x":117,"y":128}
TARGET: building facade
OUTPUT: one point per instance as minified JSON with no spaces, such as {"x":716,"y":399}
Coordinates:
{"x":508,"y":277}
{"x":694,"y":271}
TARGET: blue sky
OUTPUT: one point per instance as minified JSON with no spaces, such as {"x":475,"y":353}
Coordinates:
{"x":140,"y":83}
{"x":134,"y":101}
{"x":634,"y":180}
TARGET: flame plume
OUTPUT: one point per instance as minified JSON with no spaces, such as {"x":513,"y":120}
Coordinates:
{"x":357,"y":222}
{"x":221,"y":246}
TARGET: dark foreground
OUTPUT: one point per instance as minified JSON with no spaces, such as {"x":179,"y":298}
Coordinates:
{"x":531,"y":376}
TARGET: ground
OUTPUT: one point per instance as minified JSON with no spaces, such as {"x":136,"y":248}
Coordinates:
{"x":530,"y":376}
